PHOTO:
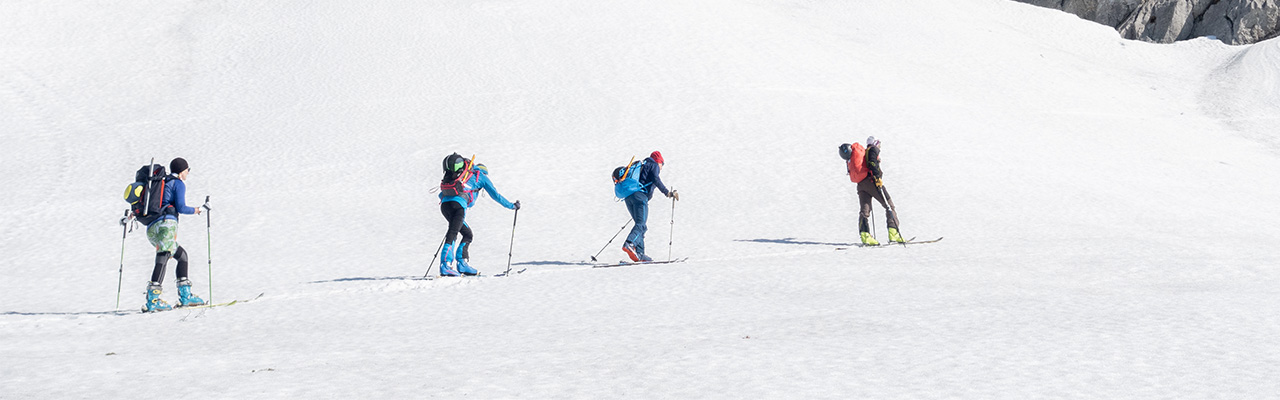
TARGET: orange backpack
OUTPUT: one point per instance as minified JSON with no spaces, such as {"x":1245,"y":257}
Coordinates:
{"x":857,"y":165}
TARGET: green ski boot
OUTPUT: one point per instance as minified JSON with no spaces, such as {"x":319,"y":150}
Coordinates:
{"x":894,"y":236}
{"x":867,"y":240}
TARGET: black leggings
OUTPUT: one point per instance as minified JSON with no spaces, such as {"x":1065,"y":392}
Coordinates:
{"x":162,"y":259}
{"x":456,"y":214}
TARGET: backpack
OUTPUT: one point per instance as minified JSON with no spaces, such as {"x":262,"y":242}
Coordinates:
{"x":857,"y":165}
{"x":457,"y":170}
{"x":146,"y":194}
{"x":626,"y":180}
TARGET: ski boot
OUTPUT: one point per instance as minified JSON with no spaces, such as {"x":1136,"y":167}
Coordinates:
{"x":154,"y":302}
{"x":446,"y":258}
{"x":867,"y":240}
{"x":631,"y":251}
{"x":894,"y":236}
{"x":461,"y":259}
{"x":185,"y":298}
{"x":639,"y":248}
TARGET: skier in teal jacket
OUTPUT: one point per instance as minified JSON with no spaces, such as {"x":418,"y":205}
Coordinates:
{"x":454,"y":208}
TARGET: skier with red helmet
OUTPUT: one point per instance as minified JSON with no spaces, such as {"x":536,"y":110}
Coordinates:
{"x":647,"y":172}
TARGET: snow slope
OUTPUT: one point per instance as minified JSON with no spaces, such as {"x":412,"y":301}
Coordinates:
{"x":1107,"y":204}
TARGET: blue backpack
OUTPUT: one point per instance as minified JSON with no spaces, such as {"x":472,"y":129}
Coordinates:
{"x":626,"y":180}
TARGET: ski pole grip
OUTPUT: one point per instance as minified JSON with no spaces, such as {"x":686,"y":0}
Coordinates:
{"x":206,"y":204}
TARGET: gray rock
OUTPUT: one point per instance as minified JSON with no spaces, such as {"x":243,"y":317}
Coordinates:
{"x":1107,"y":12}
{"x":1167,"y":21}
{"x":1240,"y":21}
{"x":1163,"y":21}
{"x":1054,"y":4}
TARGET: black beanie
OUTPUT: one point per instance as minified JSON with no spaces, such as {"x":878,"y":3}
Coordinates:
{"x":177,"y":166}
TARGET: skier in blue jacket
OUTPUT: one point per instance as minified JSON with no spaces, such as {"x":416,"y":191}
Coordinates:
{"x":454,"y":208}
{"x":638,"y":205}
{"x":163,"y":233}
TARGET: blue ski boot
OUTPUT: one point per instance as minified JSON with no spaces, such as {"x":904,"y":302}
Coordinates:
{"x":461,"y":258}
{"x":640,"y":253}
{"x":154,"y":303}
{"x":446,"y":258}
{"x":185,"y":298}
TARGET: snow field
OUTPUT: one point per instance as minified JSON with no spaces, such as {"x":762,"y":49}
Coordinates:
{"x":1106,"y":204}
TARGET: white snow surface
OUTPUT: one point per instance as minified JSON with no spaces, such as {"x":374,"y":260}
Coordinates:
{"x":1108,"y":205}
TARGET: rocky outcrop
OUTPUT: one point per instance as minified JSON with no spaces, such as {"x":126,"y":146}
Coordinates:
{"x":1167,"y":21}
{"x":1107,"y":12}
{"x":1244,"y":21}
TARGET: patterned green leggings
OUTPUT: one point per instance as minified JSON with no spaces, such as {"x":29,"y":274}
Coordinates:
{"x":164,"y":235}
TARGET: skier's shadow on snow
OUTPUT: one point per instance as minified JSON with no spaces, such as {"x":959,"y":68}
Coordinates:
{"x":553,"y":263}
{"x":368,"y":278}
{"x":792,"y":241}
{"x":69,"y":314}
{"x":401,"y":278}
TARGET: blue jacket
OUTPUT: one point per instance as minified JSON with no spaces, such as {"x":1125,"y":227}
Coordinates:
{"x":175,"y":195}
{"x":649,"y":177}
{"x":478,"y":181}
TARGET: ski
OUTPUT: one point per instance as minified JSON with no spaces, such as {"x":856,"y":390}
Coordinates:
{"x":521,"y":271}
{"x":144,"y":308}
{"x":925,"y":241}
{"x":434,"y":277}
{"x":890,"y":244}
{"x":627,"y":263}
{"x":886,"y":244}
{"x":472,"y":276}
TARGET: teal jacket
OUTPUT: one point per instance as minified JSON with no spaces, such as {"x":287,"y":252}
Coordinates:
{"x":478,"y":181}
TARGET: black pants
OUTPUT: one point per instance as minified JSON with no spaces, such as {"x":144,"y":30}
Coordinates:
{"x":162,"y":259}
{"x":456,"y":214}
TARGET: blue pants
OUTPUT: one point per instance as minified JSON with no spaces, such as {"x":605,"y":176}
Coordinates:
{"x":638,"y":206}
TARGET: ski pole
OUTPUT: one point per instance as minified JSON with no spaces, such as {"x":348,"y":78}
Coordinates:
{"x":208,"y":249}
{"x":124,"y":222}
{"x":433,"y":259}
{"x":892,"y":208}
{"x":513,"y":241}
{"x":873,"y":224}
{"x":615,"y":236}
{"x":671,"y":237}
{"x":888,"y":199}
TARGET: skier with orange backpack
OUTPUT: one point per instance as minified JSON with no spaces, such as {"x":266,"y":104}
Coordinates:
{"x":863,"y":165}
{"x":635,"y":184}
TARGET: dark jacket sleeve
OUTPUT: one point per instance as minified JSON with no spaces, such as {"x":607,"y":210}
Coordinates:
{"x":873,"y":162}
{"x":649,"y":176}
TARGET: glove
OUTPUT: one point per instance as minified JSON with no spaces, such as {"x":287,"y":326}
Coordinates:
{"x":516,"y":206}
{"x":879,"y":183}
{"x":674,"y":195}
